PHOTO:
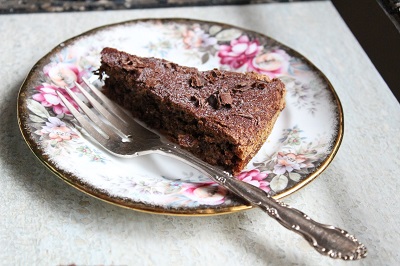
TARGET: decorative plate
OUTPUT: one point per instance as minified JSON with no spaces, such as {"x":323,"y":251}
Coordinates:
{"x":304,"y":140}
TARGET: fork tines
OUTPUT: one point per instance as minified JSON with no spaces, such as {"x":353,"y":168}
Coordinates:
{"x":114,"y":122}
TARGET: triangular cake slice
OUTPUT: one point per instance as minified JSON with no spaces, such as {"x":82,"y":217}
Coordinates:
{"x":220,"y":116}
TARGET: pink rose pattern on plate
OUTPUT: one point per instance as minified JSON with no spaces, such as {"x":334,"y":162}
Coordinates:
{"x":57,"y":130}
{"x":234,"y":50}
{"x":47,"y":96}
{"x":239,"y":52}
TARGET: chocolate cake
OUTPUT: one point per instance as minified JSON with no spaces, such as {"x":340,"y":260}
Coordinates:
{"x":220,"y":116}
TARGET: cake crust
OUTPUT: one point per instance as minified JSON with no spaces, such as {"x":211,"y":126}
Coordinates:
{"x":222,"y":117}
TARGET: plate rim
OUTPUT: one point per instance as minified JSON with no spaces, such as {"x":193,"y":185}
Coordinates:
{"x":140,"y":206}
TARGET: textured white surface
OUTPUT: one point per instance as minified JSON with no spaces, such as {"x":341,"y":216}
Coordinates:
{"x":46,"y":222}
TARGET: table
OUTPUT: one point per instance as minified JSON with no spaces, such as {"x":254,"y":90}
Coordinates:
{"x":46,"y":222}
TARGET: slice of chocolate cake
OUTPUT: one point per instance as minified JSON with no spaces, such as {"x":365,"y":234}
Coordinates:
{"x":222,"y":117}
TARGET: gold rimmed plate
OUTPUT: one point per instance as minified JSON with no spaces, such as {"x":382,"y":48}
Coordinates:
{"x":303,"y":142}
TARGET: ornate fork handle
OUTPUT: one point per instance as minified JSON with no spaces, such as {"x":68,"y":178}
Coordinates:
{"x":326,"y":239}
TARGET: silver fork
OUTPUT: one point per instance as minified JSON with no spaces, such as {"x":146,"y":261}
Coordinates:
{"x":121,"y":135}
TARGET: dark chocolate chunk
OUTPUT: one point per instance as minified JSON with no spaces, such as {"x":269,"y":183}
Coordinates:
{"x":198,"y":101}
{"x":226,"y":99}
{"x":170,"y":65}
{"x":216,"y":73}
{"x":248,"y":116}
{"x":243,"y":86}
{"x":130,"y":64}
{"x":195,"y":81}
{"x":219,"y":99}
{"x":214,"y":101}
{"x":260,"y":85}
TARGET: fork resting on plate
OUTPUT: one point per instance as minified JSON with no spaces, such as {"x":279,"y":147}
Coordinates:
{"x":121,"y":135}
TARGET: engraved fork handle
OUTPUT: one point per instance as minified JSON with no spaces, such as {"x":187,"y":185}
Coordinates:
{"x":326,"y":239}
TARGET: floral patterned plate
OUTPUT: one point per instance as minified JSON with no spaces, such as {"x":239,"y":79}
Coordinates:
{"x":303,"y":142}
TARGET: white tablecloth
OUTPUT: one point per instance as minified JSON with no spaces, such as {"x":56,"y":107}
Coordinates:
{"x":46,"y":222}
